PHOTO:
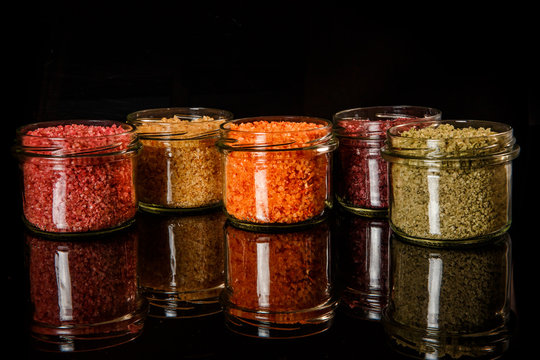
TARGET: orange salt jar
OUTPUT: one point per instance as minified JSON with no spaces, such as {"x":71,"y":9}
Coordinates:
{"x":277,"y":170}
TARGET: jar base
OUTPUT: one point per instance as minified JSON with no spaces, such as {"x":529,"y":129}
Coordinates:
{"x":159,"y":209}
{"x":66,"y":235}
{"x":181,"y":305}
{"x":448,"y":242}
{"x":375,"y":213}
{"x":362,"y":305}
{"x":428,"y":343}
{"x":89,"y":337}
{"x":265,"y":227}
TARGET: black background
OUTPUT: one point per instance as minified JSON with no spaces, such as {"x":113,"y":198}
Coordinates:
{"x":102,"y":60}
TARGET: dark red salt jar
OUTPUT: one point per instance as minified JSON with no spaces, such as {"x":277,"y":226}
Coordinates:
{"x":78,"y":175}
{"x":361,"y":184}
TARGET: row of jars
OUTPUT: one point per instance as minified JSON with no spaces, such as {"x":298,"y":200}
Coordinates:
{"x":439,"y":301}
{"x":186,"y":159}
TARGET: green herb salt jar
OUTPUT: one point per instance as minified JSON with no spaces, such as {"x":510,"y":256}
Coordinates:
{"x":450,"y":180}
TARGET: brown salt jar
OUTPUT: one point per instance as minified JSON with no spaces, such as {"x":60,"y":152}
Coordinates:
{"x":180,"y":168}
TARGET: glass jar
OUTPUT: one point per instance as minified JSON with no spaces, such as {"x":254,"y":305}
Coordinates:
{"x":450,"y":181}
{"x":84,"y":294}
{"x":277,"y":170}
{"x":181,"y":263}
{"x":452,"y":302}
{"x":362,"y":172}
{"x":180,"y":168}
{"x":278,"y":284}
{"x":78,"y":176}
{"x":364,"y":259}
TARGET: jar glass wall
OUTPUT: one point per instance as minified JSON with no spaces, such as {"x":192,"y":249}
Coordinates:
{"x":450,"y":181}
{"x":78,"y":176}
{"x":277,"y":170}
{"x":278,"y":284}
{"x":181,"y":263}
{"x":180,"y":168}
{"x":450,"y":302}
{"x":361,"y":172}
{"x":84,"y":294}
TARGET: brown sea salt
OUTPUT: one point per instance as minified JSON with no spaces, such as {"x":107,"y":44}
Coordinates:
{"x":180,"y":167}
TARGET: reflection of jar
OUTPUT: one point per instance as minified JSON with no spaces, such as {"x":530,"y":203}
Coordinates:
{"x":78,"y":176}
{"x":84,"y":294}
{"x":180,"y":168}
{"x":278,"y":284}
{"x":277,"y":170}
{"x":181,"y":263}
{"x":450,"y":301}
{"x":362,"y":172}
{"x":450,"y":180}
{"x":364,"y":259}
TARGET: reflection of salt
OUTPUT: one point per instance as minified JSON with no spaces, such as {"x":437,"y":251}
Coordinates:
{"x":63,"y":283}
{"x":172,"y":253}
{"x":434,"y":291}
{"x":374,"y":260}
{"x":263,"y":273}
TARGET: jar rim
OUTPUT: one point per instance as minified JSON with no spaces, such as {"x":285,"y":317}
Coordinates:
{"x":324,"y":143}
{"x":500,"y":142}
{"x":505,"y":128}
{"x":24,"y":129}
{"x":156,"y":117}
{"x":379,"y":118}
{"x":156,"y":114}
{"x":394,"y":108}
{"x":55,"y":149}
{"x":281,"y":118}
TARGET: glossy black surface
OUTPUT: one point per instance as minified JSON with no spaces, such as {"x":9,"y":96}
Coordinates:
{"x":105,"y":61}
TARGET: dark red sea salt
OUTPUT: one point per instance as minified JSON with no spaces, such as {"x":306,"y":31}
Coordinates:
{"x":362,"y":173}
{"x":64,"y":192}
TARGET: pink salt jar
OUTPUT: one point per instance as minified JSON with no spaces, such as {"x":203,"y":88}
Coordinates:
{"x":77,"y":175}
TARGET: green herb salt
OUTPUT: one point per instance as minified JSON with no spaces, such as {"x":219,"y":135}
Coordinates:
{"x":449,"y":183}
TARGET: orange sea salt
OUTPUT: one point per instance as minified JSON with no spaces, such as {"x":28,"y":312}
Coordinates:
{"x":282,"y":180}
